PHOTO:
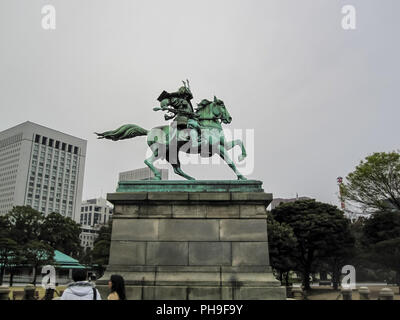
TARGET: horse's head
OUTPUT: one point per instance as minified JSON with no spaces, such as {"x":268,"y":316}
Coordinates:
{"x":219,"y":110}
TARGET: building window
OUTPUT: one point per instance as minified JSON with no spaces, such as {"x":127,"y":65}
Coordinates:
{"x":57,"y":144}
{"x":63,"y":146}
{"x":44,"y":140}
{"x":51,"y":142}
{"x":37,"y":138}
{"x":69,"y":148}
{"x":75,"y":150}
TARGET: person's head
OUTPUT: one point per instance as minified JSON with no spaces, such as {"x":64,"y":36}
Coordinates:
{"x":117,"y":284}
{"x":79,"y":275}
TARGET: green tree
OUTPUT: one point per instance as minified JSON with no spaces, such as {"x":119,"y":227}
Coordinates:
{"x":25,"y":224}
{"x":318,"y":228}
{"x":8,"y":253}
{"x":359,"y":256}
{"x":37,"y":253}
{"x":61,"y":233}
{"x":35,"y":237}
{"x":388,"y":253}
{"x":7,"y":246}
{"x":15,"y":261}
{"x":375,"y":183}
{"x":101,"y":248}
{"x":86,"y":257}
{"x":382,"y":240}
{"x":282,"y":245}
{"x":342,"y":253}
{"x":381,"y":226}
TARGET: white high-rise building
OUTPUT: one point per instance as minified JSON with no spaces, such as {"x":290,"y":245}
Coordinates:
{"x":94,"y":214}
{"x":42,"y":168}
{"x":141,"y":174}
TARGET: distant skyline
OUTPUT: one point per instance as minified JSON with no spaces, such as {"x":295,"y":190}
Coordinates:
{"x":319,"y":98}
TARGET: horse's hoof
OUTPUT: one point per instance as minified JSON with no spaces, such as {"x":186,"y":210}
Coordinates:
{"x":242,"y":157}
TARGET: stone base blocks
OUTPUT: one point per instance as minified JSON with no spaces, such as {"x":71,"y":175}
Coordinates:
{"x":191,"y":245}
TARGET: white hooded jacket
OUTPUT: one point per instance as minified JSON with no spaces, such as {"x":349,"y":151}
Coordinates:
{"x":80,"y":290}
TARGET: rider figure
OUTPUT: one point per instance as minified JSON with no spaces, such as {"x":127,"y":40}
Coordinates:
{"x":185,"y":115}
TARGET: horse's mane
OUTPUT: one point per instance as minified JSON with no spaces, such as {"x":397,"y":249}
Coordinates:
{"x":203,"y":103}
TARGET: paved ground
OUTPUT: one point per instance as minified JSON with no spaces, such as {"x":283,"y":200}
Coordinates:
{"x":327,"y":293}
{"x":38,"y":288}
{"x":316,"y":293}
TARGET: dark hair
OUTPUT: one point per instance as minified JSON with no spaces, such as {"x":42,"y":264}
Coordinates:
{"x":118,"y":286}
{"x":79,"y":275}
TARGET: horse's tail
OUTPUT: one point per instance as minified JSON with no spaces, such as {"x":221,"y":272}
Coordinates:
{"x":126,"y":131}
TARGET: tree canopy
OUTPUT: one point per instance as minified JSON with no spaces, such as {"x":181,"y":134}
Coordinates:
{"x":101,"y":249}
{"x":375,"y":182}
{"x":62,"y":233}
{"x":27,"y":237}
{"x":282,"y":246}
{"x":381,"y":240}
{"x":25,"y":224}
{"x":321,"y":231}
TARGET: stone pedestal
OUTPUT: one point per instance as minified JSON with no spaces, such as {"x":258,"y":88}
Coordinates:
{"x":298,"y":293}
{"x":4,"y":293}
{"x":364,"y":293}
{"x":386,"y":294}
{"x":347,"y":293}
{"x":208,"y":244}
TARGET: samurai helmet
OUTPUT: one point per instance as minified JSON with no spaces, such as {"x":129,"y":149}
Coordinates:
{"x":185,"y":90}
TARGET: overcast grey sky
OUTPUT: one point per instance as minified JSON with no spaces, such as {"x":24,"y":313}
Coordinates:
{"x":318,"y":97}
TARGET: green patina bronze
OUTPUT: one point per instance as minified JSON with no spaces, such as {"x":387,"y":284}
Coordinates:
{"x":192,"y":131}
{"x":190,"y":186}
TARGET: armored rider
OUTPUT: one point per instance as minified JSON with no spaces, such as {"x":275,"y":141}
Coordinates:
{"x":182,"y":109}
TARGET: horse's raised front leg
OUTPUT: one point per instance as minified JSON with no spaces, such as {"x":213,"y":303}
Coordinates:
{"x":230,"y":144}
{"x":224,"y":155}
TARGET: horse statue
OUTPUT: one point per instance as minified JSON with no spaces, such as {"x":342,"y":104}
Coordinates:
{"x":167,"y":141}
